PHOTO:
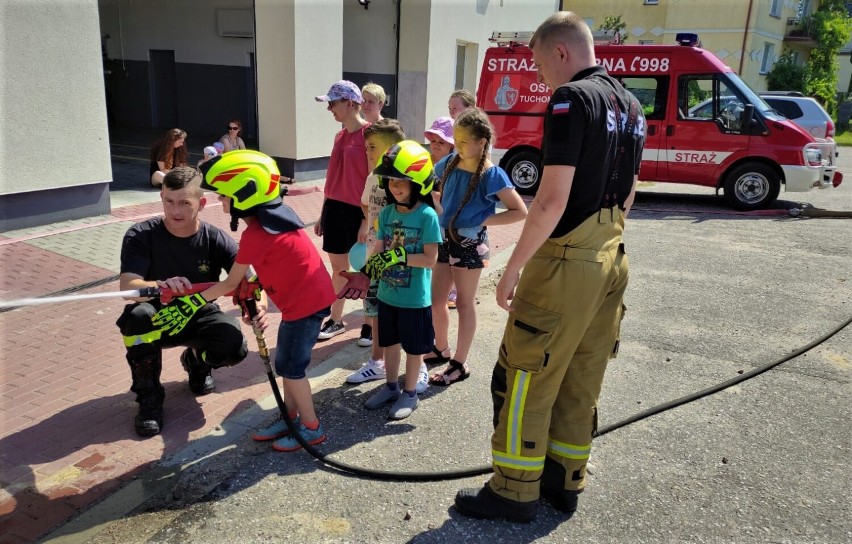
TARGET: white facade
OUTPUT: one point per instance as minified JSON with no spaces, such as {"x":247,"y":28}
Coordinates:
{"x":54,"y":135}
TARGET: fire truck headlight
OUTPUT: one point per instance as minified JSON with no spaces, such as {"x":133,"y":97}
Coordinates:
{"x":813,"y":156}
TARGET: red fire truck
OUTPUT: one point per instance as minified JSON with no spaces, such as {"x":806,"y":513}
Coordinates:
{"x":705,"y":126}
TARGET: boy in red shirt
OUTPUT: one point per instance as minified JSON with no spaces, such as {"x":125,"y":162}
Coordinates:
{"x":290,"y":269}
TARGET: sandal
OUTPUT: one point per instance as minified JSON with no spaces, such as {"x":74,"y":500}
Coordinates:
{"x":445,"y":378}
{"x":440,"y":358}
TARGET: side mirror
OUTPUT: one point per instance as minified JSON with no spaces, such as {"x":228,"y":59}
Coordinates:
{"x":747,"y":116}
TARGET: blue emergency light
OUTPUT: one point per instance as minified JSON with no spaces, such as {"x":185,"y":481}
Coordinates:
{"x":689,"y":39}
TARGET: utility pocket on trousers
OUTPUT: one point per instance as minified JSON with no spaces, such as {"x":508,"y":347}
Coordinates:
{"x":529,"y":335}
{"x":617,"y":344}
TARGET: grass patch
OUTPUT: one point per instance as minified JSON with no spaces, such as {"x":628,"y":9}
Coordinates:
{"x":843,"y":137}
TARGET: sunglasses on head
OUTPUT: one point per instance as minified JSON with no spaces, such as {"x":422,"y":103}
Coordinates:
{"x":233,"y":128}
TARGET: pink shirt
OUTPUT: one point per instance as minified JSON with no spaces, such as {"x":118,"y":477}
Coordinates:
{"x":347,"y":167}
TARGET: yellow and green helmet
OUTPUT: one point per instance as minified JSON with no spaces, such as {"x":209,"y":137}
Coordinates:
{"x":249,"y":177}
{"x":410,"y":161}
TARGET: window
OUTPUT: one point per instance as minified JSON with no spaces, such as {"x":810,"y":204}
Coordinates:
{"x":651,"y":92}
{"x":710,"y":98}
{"x":775,"y":9}
{"x":788,"y":109}
{"x":465,"y":73}
{"x":768,"y":58}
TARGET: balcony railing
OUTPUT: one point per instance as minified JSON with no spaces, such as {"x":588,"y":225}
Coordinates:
{"x":800,"y":31}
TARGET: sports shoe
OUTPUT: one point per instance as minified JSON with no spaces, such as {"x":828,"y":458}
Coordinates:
{"x":366,"y":338}
{"x":289,"y":443}
{"x":330,"y":329}
{"x":422,"y":379}
{"x":371,"y":370}
{"x":403,"y":406}
{"x":381,"y":398}
{"x":200,"y":373}
{"x":276,"y":429}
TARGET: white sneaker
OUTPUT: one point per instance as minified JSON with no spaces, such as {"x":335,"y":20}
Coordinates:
{"x":372,"y":370}
{"x":422,"y":379}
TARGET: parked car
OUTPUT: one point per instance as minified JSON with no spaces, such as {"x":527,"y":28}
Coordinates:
{"x":802,"y":110}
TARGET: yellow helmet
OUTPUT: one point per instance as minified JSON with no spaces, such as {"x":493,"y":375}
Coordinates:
{"x":250,"y":178}
{"x":410,"y":161}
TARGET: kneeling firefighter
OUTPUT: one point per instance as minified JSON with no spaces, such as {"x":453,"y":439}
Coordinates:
{"x":174,"y":252}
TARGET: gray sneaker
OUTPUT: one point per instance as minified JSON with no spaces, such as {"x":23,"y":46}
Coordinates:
{"x":403,"y":406}
{"x":382,"y":397}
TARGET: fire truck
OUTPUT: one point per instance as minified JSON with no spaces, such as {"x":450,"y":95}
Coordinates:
{"x":705,"y":126}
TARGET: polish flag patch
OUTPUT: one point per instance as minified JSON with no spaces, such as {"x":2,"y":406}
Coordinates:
{"x":560,"y":109}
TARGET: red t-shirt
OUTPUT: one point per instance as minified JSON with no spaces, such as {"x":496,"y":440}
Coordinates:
{"x":290,"y":269}
{"x":347,"y":167}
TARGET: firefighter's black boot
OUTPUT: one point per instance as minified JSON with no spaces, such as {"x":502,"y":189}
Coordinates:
{"x":484,"y":503}
{"x":149,"y":393}
{"x":553,"y":488}
{"x":200,"y":373}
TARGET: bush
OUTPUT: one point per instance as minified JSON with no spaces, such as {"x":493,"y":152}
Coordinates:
{"x":786,"y":75}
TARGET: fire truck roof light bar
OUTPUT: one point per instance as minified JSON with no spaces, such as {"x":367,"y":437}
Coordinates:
{"x":688,"y":38}
{"x":504,"y":36}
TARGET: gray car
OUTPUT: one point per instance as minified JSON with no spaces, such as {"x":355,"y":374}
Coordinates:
{"x":802,"y":110}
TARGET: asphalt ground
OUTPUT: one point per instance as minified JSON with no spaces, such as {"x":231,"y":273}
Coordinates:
{"x":712,"y":295}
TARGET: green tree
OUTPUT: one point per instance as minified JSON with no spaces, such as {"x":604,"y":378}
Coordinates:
{"x":832,"y":28}
{"x":786,"y":75}
{"x":614,"y":22}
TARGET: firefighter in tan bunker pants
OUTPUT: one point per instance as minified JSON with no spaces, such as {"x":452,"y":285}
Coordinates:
{"x":565,"y":310}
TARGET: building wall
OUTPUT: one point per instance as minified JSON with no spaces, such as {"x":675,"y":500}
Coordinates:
{"x":471,"y":23}
{"x":369,"y":47}
{"x":293,"y":67}
{"x":54,"y":146}
{"x":720,"y":24}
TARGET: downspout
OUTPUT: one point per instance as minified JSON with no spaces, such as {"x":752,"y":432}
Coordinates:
{"x":745,"y":35}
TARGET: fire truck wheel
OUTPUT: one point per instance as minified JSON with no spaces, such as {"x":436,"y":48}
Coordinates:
{"x":525,"y":172}
{"x":752,"y":186}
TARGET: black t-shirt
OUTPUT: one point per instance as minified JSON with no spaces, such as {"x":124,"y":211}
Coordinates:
{"x":582,"y":129}
{"x":154,"y":253}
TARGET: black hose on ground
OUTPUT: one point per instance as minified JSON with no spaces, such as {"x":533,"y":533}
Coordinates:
{"x":486,"y":469}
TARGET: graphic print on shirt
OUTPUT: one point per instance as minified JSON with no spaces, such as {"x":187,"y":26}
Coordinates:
{"x":399,"y":276}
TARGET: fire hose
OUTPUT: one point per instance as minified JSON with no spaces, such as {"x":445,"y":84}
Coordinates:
{"x":248,"y":293}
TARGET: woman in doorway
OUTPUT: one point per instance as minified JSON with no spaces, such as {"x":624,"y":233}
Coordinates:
{"x":232,"y":139}
{"x":167,"y":152}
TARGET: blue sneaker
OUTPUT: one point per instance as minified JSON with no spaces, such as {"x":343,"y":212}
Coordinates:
{"x":382,"y":397}
{"x":403,"y":406}
{"x":289,"y":443}
{"x":276,"y":429}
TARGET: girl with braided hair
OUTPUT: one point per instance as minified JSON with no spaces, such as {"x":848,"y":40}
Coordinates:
{"x":468,"y":191}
